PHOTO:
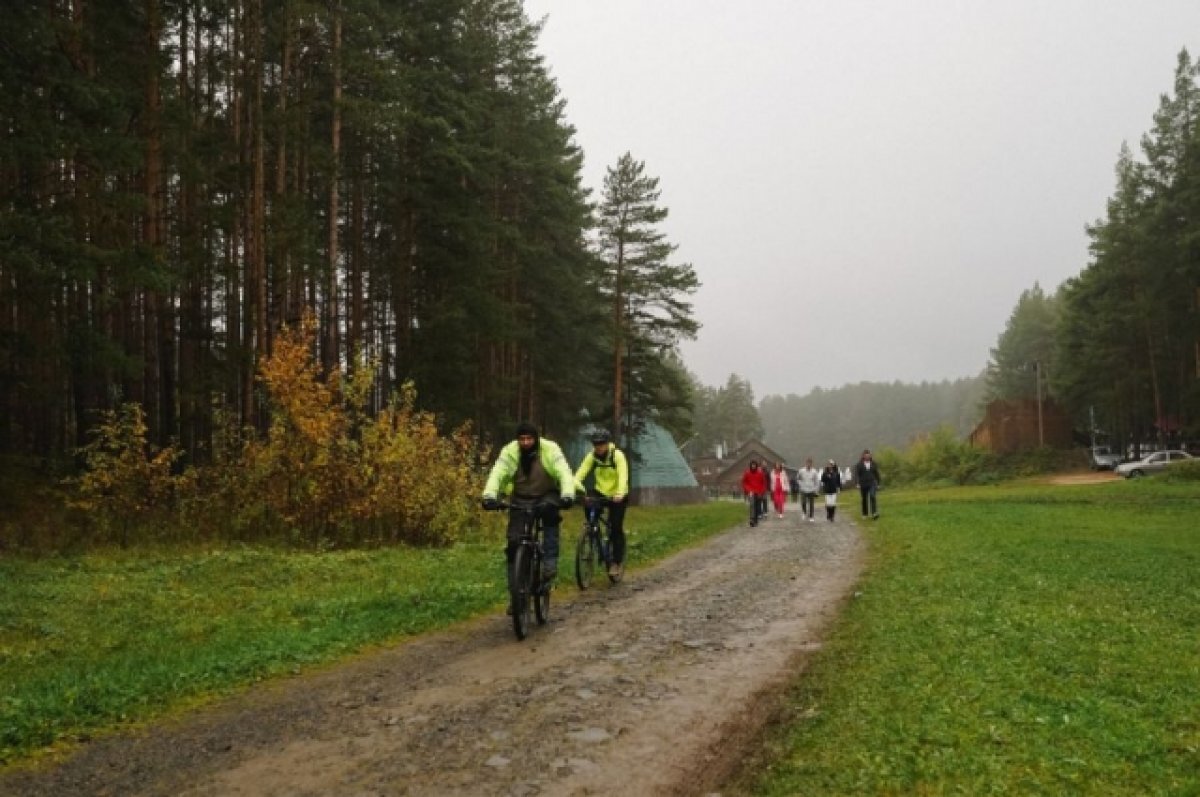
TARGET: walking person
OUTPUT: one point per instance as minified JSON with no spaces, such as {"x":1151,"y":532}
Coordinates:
{"x":866,"y":474}
{"x":779,"y":488}
{"x":754,"y":487}
{"x":831,"y":485}
{"x":809,"y":480}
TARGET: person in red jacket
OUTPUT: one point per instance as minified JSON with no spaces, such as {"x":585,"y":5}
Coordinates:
{"x":754,"y":486}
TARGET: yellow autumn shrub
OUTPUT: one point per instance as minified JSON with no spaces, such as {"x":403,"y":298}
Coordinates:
{"x":326,"y":473}
{"x":127,"y":490}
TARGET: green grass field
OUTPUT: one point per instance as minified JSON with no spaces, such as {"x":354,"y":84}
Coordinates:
{"x":96,"y":641}
{"x":1023,"y":639}
{"x":1019,"y":640}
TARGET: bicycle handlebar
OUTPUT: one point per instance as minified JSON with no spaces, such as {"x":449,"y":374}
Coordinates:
{"x":526,"y":504}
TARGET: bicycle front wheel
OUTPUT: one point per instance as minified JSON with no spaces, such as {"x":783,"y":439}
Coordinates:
{"x":585,"y":558}
{"x":521,"y":595}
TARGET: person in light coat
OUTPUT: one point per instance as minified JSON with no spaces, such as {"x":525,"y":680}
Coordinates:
{"x":809,"y":479}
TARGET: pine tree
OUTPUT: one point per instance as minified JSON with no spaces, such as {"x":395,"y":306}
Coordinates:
{"x":647,"y":295}
{"x":1026,"y":346}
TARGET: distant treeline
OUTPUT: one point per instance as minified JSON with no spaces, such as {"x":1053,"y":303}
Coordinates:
{"x":840,"y":423}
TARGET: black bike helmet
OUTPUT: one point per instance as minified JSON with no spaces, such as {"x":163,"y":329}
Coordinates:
{"x":601,"y":436}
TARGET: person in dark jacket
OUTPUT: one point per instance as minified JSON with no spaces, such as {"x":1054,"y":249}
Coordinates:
{"x":831,"y":485}
{"x":866,"y":474}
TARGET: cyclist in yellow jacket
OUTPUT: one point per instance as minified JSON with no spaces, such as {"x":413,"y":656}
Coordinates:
{"x":532,"y":468}
{"x":612,"y":482}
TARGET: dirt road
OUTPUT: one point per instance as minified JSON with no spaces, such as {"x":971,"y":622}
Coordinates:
{"x":650,"y":687}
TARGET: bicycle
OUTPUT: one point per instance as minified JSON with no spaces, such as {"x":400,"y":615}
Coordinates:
{"x":528,"y":593}
{"x":595,"y":543}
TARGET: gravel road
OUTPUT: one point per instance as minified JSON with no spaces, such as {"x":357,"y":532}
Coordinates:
{"x":653,"y":686}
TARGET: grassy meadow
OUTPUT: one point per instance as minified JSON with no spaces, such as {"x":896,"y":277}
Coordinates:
{"x":94,"y":641}
{"x":1020,"y":639}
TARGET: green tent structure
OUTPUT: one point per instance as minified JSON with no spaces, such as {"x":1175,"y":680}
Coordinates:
{"x":658,"y":473}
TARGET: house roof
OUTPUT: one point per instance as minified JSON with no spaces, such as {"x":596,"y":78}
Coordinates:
{"x":731,"y":469}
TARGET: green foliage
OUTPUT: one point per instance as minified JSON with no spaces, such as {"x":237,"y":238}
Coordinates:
{"x":1008,"y":640}
{"x":94,"y":641}
{"x":1026,"y":345}
{"x":1188,"y":471}
{"x":724,"y":416}
{"x":456,"y":254}
{"x":645,"y":293}
{"x":325,"y":475}
{"x":127,"y":482}
{"x":942,"y":458}
{"x":1126,"y":345}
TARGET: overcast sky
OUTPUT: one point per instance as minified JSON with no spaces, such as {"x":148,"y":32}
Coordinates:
{"x":865,"y":188}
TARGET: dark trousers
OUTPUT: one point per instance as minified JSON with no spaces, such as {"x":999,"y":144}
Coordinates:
{"x":616,"y":527}
{"x":551,"y":522}
{"x":808,"y":504}
{"x":867,"y":491}
{"x":616,"y":530}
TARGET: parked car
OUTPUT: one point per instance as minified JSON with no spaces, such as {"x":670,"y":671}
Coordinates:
{"x":1151,"y":463}
{"x":1104,"y":458}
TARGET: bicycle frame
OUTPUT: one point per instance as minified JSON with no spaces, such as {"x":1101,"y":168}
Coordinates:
{"x":526,"y":585}
{"x":595,"y":542}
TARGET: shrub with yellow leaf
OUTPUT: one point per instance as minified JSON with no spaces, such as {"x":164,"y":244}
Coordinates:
{"x":325,"y":474}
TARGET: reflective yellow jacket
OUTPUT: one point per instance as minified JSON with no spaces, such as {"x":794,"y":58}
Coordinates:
{"x":500,"y":480}
{"x":612,"y":472}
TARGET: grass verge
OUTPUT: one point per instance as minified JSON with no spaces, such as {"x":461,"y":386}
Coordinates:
{"x":96,"y":641}
{"x":1023,"y":639}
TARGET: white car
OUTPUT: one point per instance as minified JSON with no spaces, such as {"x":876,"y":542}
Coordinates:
{"x":1151,"y":463}
{"x":1103,"y":458}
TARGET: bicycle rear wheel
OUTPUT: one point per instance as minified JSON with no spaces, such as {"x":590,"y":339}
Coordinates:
{"x":585,"y":558}
{"x":522,"y":576}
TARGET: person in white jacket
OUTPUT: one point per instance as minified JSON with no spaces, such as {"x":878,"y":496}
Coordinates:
{"x":810,"y":482}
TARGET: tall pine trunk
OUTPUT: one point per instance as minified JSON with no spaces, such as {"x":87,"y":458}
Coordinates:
{"x":329,"y":351}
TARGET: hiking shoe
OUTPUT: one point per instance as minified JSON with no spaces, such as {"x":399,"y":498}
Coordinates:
{"x":549,"y":570}
{"x":614,"y":570}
